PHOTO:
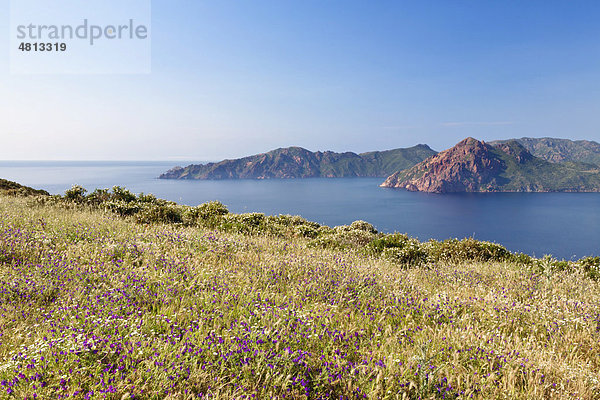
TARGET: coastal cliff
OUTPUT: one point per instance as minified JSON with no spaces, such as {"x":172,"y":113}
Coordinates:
{"x":475,"y":166}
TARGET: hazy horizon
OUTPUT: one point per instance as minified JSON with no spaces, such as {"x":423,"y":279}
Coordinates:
{"x":176,"y":160}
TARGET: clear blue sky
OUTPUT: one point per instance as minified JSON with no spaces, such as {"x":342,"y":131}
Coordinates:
{"x":231,"y":78}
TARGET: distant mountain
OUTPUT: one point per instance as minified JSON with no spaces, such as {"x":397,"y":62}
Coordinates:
{"x":560,"y":150}
{"x":474,"y":166}
{"x":296,"y":162}
{"x":13,"y":188}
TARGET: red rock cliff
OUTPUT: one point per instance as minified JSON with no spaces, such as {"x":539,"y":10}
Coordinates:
{"x":469,"y":166}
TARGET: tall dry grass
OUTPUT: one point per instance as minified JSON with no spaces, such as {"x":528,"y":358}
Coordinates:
{"x":95,"y":306}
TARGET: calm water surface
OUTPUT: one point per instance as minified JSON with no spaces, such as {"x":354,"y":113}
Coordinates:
{"x":566,"y":225}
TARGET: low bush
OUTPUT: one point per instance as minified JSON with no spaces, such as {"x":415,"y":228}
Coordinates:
{"x":148,"y":199}
{"x":363,"y":226}
{"x":122,"y":208}
{"x":159,"y":214}
{"x":290,"y":220}
{"x":98,"y":197}
{"x":75,"y":194}
{"x":121,"y":194}
{"x":591,"y":266}
{"x":248,"y":223}
{"x":400,"y":249}
{"x":306,"y":230}
{"x":343,"y":237}
{"x":523,"y":259}
{"x":290,"y":226}
{"x":361,"y":235}
{"x":454,"y":250}
{"x":209,"y":215}
{"x":412,"y":253}
{"x":394,"y":240}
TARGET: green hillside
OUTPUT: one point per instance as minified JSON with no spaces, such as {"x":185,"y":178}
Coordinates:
{"x":561,"y":150}
{"x":296,"y":162}
{"x":13,"y":188}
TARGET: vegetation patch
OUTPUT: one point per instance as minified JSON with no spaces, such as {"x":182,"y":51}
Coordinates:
{"x":194,"y":302}
{"x":114,"y":295}
{"x":359,"y":236}
{"x":9,"y":188}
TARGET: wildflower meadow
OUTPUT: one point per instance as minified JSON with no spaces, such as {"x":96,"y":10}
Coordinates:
{"x":98,"y":303}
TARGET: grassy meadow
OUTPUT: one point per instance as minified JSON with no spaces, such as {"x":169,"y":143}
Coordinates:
{"x":117,"y":297}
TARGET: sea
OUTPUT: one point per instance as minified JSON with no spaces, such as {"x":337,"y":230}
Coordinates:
{"x":564,"y":225}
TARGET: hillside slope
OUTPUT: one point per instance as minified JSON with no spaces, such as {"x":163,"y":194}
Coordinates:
{"x":297,"y":162}
{"x":12,"y":188}
{"x":474,"y":166}
{"x":95,"y":305}
{"x":560,"y":150}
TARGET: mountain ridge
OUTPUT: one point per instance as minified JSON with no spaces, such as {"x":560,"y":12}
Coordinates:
{"x":476,"y":166}
{"x":297,"y":162}
{"x":560,"y":150}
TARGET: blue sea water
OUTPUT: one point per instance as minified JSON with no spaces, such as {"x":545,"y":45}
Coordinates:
{"x":566,"y":225}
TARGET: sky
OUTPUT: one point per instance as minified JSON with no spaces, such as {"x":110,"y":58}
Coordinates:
{"x":233,"y":78}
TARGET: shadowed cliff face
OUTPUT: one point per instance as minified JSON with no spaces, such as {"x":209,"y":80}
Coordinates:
{"x":464,"y":168}
{"x":474,"y":166}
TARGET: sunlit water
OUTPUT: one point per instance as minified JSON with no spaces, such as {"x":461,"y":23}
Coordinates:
{"x":566,"y":225}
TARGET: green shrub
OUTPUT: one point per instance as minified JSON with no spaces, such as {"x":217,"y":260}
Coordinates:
{"x":98,"y":197}
{"x":159,"y":214}
{"x":522,"y":259}
{"x":394,"y":240}
{"x":252,"y":220}
{"x":243,"y":223}
{"x":363,"y":226}
{"x":230,"y":223}
{"x":290,"y":226}
{"x":325,"y":230}
{"x":467,"y":250}
{"x":75,"y":194}
{"x":562,"y":265}
{"x":548,"y":265}
{"x":400,"y":249}
{"x":212,"y":208}
{"x":591,"y":266}
{"x":397,"y":247}
{"x":190,"y":216}
{"x":289,"y":220}
{"x":148,"y":198}
{"x":306,"y":230}
{"x":412,"y":252}
{"x":123,"y":208}
{"x":121,"y":194}
{"x":354,"y":237}
{"x":342,"y":237}
{"x":208,"y":214}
